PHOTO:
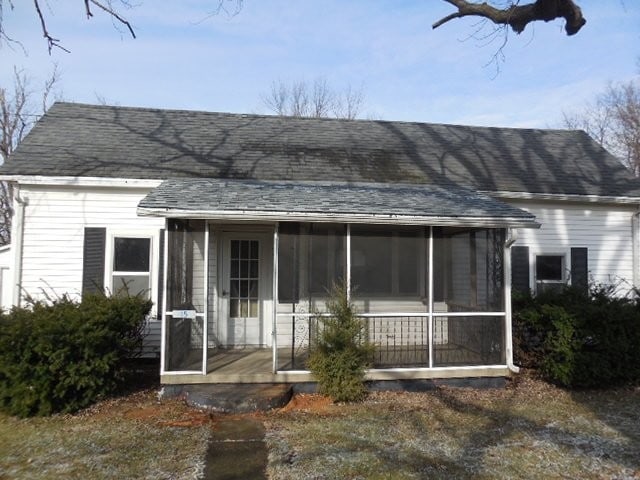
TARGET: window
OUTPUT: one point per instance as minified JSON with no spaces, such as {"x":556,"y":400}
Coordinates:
{"x":131,"y":268}
{"x":550,"y":272}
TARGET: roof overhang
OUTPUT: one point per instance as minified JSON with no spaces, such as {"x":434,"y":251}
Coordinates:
{"x":81,"y":181}
{"x":574,"y":198}
{"x":401,"y":204}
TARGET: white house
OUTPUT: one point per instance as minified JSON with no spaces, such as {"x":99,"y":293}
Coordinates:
{"x":236,"y":225}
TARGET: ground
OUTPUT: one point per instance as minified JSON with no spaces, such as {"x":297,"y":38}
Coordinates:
{"x":527,"y":430}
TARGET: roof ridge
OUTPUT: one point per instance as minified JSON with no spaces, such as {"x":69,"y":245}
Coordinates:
{"x":313,"y":119}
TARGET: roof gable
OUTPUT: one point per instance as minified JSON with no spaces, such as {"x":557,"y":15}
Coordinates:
{"x":102,"y":141}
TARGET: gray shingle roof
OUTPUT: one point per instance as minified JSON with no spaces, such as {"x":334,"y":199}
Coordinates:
{"x":404,"y":203}
{"x":103,"y":141}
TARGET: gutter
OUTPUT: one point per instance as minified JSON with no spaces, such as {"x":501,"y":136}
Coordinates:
{"x":635,"y":245}
{"x":511,"y":239}
{"x":17,"y":234}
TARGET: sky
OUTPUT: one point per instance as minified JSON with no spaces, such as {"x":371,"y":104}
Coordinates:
{"x":184,"y":58}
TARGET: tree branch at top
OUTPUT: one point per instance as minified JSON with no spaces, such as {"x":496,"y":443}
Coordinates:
{"x":519,"y":16}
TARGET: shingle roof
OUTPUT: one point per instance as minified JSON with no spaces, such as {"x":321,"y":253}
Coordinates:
{"x":405,"y":203}
{"x":103,"y":141}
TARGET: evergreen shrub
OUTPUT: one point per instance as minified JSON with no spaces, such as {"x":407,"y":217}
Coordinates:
{"x":340,"y":353}
{"x":63,"y":355}
{"x":578,"y":337}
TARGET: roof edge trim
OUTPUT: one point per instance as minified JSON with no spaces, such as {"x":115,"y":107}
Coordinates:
{"x":562,"y":197}
{"x":81,"y":181}
{"x":257,"y":215}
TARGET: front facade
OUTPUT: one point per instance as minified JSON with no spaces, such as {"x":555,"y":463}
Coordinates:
{"x":238,"y":242}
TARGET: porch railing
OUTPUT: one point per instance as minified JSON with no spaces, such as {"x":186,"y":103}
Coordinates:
{"x":404,"y":341}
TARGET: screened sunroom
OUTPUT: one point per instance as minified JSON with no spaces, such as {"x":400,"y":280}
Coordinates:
{"x":249,"y":267}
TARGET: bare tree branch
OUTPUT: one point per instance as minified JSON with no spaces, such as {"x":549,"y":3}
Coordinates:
{"x":114,"y":14}
{"x":613,"y":120}
{"x":17,"y":115}
{"x":319,"y":100}
{"x":51,"y":42}
{"x":519,"y":16}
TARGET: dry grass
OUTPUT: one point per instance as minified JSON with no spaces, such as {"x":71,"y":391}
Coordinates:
{"x":131,"y":437}
{"x":529,"y":430}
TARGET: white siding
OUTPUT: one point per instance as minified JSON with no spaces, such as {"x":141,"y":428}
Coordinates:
{"x":606,"y":230}
{"x":55,"y":218}
{"x":6,"y":260}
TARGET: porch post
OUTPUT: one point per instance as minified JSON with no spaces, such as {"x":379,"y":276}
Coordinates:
{"x":348,"y":272}
{"x":430,"y":299}
{"x":274,"y":316}
{"x":163,"y":326}
{"x":205,"y":318}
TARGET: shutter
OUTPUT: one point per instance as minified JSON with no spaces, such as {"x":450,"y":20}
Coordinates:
{"x":520,"y":269}
{"x":159,"y":303}
{"x":579,"y":267}
{"x":93,"y":254}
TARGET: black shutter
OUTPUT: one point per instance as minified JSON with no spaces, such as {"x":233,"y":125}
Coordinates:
{"x":159,"y":304}
{"x":520,"y":269}
{"x":579,"y":267}
{"x":93,"y":259}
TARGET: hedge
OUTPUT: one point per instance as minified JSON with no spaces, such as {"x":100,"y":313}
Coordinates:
{"x":64,"y":355}
{"x":578,"y":337}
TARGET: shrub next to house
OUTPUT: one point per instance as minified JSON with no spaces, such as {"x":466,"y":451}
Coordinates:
{"x":340,"y":354}
{"x":579,"y":337}
{"x":64,"y":355}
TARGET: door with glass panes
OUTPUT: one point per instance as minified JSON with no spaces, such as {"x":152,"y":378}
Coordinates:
{"x":244,"y":290}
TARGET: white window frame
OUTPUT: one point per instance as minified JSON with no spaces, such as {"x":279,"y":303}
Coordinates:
{"x":153,"y":236}
{"x":565,"y":269}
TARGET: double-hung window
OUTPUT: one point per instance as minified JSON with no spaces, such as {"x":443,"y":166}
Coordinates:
{"x":550,"y":272}
{"x":131,"y":267}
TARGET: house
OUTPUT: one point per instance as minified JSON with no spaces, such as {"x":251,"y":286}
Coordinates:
{"x":236,"y":225}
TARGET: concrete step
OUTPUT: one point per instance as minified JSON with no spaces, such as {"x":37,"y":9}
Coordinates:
{"x":230,"y":398}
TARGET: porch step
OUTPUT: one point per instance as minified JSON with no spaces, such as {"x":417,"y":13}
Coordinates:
{"x":229,"y":398}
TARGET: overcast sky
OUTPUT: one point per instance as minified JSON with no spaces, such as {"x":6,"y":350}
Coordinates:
{"x":182,"y":59}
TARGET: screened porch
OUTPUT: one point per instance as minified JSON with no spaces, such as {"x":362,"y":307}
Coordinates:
{"x":249,"y":264}
{"x":430,"y":297}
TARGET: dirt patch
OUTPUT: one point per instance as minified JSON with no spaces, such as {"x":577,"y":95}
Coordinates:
{"x":309,"y":403}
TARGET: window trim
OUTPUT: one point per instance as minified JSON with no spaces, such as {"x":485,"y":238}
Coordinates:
{"x":565,"y":269}
{"x":154,"y":242}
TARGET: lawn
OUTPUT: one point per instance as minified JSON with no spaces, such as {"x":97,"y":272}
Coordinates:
{"x":130,"y":437}
{"x":527,"y":430}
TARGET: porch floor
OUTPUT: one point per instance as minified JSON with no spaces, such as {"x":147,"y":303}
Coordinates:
{"x":255,"y":365}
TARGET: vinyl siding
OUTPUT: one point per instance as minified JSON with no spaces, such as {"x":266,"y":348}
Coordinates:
{"x":55,"y":218}
{"x":605,"y":230}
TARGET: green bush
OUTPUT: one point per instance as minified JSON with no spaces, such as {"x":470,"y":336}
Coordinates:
{"x":340,"y":354}
{"x":579,"y":338}
{"x":63,"y":356}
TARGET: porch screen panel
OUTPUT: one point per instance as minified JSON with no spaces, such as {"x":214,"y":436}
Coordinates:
{"x":326,"y":262}
{"x":389,"y":268}
{"x":184,"y":340}
{"x":185,"y":289}
{"x":468,"y":340}
{"x":468,"y":270}
{"x":311,"y":258}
